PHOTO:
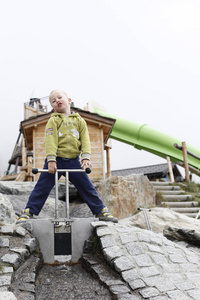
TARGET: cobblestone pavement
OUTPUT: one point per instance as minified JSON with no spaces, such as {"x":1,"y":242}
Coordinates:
{"x":134,"y":264}
{"x":151,"y":266}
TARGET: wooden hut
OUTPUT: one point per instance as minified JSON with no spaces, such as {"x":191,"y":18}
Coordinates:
{"x":33,"y":150}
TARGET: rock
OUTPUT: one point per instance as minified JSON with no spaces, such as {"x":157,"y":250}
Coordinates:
{"x":80,"y":211}
{"x":7,"y":229}
{"x":124,"y":194}
{"x":20,"y":187}
{"x":122,"y":263}
{"x":48,"y":211}
{"x":32,"y":244}
{"x":164,"y":217}
{"x":7,"y":296}
{"x":182,"y":234}
{"x":7,"y":214}
{"x":7,"y":190}
{"x":12,"y":259}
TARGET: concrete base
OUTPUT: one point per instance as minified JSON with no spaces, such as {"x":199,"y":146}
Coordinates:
{"x":43,"y":230}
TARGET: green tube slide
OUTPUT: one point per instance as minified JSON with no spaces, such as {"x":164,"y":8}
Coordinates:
{"x":143,"y":137}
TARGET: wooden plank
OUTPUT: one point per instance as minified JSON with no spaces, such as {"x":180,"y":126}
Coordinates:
{"x":96,"y":156}
{"x":23,"y":152}
{"x":95,"y":139}
{"x":21,"y":177}
{"x":171,"y":175}
{"x":30,"y":165}
{"x":8,"y":177}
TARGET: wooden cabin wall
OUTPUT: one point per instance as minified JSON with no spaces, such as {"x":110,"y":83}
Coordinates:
{"x":97,"y":150}
{"x":39,"y":153}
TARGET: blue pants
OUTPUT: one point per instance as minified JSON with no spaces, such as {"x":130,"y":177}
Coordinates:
{"x":81,"y":181}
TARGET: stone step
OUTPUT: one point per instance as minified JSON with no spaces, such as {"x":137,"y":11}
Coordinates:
{"x":167,"y":188}
{"x":170,"y":192}
{"x":160,"y":183}
{"x":186,"y":209}
{"x":192,"y":215}
{"x":180,"y":204}
{"x":178,"y":198}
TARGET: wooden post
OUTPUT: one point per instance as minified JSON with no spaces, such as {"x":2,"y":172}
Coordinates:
{"x":187,"y":177}
{"x":29,"y":177}
{"x":108,"y":161}
{"x":171,"y":175}
{"x":23,"y":152}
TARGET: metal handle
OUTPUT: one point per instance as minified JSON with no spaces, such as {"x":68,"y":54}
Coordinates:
{"x":87,"y":170}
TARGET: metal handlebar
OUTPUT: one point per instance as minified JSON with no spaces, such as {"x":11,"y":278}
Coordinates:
{"x":87,"y":170}
{"x":66,"y":171}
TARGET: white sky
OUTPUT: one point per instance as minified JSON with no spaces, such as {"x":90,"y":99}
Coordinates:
{"x":138,"y":58}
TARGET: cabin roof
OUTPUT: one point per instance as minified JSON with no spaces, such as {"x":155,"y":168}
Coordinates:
{"x":152,"y":172}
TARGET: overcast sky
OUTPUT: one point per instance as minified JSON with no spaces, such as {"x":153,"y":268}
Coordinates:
{"x":138,"y":58}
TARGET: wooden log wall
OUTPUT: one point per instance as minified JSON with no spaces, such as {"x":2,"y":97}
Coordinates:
{"x":97,"y":150}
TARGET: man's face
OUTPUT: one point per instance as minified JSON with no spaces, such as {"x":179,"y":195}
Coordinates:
{"x":59,"y":102}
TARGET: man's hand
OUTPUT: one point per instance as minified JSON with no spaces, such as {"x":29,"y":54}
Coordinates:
{"x":86,"y":163}
{"x":52,"y":167}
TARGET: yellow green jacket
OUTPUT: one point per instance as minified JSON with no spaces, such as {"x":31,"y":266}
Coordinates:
{"x":66,"y":137}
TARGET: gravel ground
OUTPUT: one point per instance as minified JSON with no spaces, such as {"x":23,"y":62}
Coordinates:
{"x":66,"y":282}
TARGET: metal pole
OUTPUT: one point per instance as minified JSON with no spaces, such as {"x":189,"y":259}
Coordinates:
{"x":56,"y":194}
{"x":146,"y":217}
{"x":67,"y":193}
{"x":196,"y":217}
{"x":147,"y":220}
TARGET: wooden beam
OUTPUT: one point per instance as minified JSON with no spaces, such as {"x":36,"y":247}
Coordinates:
{"x":21,"y":177}
{"x":23,"y":152}
{"x":192,"y":169}
{"x":171,"y":175}
{"x":187,"y":176}
{"x":108,"y":162}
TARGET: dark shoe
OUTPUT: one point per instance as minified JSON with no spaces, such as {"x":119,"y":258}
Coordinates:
{"x":25,"y":216}
{"x":105,"y":215}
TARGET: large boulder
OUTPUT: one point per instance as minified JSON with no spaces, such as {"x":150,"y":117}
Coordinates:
{"x":124,"y":194}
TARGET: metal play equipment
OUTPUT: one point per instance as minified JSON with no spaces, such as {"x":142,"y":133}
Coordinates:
{"x":143,"y":137}
{"x":62,"y":236}
{"x":146,"y":217}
